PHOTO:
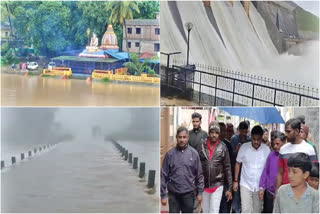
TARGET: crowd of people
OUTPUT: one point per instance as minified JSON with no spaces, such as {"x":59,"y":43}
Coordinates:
{"x":243,"y":172}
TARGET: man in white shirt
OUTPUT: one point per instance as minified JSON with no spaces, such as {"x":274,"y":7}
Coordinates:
{"x":253,"y":156}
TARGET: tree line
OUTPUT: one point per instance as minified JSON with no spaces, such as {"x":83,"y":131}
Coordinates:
{"x":50,"y":27}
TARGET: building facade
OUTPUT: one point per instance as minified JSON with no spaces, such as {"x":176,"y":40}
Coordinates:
{"x":143,"y":36}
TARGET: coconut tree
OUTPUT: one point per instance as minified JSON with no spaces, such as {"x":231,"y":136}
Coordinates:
{"x":120,"y":11}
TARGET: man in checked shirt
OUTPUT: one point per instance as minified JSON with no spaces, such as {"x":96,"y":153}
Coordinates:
{"x":181,"y":172}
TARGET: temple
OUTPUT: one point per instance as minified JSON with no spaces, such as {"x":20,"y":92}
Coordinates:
{"x":95,"y":57}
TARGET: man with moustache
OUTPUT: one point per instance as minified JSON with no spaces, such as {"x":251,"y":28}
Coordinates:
{"x":252,"y":156}
{"x":196,"y":135}
{"x":295,"y":143}
{"x":216,"y":168}
{"x":181,"y":173}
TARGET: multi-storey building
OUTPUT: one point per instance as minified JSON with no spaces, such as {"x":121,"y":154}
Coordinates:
{"x":143,"y":35}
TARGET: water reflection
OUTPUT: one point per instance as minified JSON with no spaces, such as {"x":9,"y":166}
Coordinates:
{"x":17,"y":90}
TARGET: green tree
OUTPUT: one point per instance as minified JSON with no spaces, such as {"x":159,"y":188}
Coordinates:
{"x":147,"y":9}
{"x":135,"y":67}
{"x":120,"y":11}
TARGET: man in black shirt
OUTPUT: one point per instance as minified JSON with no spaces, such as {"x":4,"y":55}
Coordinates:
{"x":196,"y":135}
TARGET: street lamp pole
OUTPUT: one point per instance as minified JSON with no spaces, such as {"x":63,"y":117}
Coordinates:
{"x":189,"y":26}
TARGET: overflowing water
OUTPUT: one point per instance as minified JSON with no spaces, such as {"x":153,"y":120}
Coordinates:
{"x":77,"y":176}
{"x":235,"y":41}
{"x":17,"y":90}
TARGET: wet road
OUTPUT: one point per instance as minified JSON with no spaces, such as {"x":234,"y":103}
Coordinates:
{"x":75,"y":177}
{"x":17,"y":90}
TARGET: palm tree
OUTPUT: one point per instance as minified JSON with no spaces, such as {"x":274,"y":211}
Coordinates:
{"x":120,"y":11}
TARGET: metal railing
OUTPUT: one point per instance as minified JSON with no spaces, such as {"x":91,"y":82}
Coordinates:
{"x":222,"y":87}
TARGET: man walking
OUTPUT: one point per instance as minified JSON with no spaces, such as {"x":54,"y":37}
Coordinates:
{"x":216,"y":168}
{"x":181,"y":172}
{"x":252,"y":156}
{"x":236,"y":141}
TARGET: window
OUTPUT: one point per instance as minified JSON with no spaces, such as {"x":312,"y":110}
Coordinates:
{"x":157,"y":31}
{"x":129,"y":30}
{"x":129,"y":44}
{"x":138,"y":30}
{"x":156,"y":47}
{"x":137,"y":44}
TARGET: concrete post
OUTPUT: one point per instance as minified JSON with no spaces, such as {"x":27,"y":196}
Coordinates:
{"x":151,"y":178}
{"x":2,"y":164}
{"x":22,"y":156}
{"x":29,"y":153}
{"x":142,"y":169}
{"x":135,"y":163}
{"x":13,"y":160}
{"x":130,"y":157}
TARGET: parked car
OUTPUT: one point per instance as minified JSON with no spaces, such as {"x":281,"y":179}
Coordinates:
{"x":51,"y":65}
{"x":32,"y":65}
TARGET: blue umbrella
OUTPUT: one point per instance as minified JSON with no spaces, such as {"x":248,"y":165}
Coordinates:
{"x":265,"y":115}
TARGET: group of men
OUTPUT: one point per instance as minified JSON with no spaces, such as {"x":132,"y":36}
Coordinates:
{"x":244,"y":172}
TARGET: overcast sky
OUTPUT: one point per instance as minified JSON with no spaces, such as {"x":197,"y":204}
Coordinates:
{"x":311,"y":6}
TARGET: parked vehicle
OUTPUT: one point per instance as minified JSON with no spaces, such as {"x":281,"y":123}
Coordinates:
{"x":32,"y":65}
{"x":51,"y":65}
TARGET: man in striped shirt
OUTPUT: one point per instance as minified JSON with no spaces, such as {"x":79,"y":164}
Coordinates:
{"x":294,"y":144}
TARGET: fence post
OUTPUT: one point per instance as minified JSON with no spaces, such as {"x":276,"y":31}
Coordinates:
{"x":142,"y":169}
{"x":151,"y":178}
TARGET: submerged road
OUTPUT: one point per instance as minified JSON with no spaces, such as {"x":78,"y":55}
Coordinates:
{"x":75,"y":177}
{"x":17,"y":90}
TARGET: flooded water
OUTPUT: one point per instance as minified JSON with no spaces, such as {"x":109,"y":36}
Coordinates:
{"x":17,"y":90}
{"x":87,"y":176}
{"x":145,"y":151}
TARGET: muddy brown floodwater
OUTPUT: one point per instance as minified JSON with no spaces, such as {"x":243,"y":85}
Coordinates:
{"x":18,"y":90}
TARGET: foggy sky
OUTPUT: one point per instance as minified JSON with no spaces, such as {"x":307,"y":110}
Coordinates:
{"x":33,"y":126}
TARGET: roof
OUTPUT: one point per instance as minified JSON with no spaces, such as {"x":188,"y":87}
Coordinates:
{"x":85,"y":59}
{"x":148,"y":22}
{"x":116,"y":54}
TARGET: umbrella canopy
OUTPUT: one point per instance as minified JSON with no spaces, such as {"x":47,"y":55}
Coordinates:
{"x":266,"y":115}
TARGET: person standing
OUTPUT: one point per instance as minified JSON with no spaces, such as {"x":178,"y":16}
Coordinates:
{"x":294,"y":144}
{"x":265,"y":137}
{"x":196,"y":135}
{"x":252,"y":156}
{"x":181,"y":173}
{"x":215,"y":161}
{"x":268,"y":178}
{"x":297,"y":196}
{"x":225,"y":205}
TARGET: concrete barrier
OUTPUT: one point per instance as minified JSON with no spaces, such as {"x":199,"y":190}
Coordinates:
{"x":142,"y":169}
{"x":13,"y":160}
{"x":126,"y":155}
{"x":151,"y":178}
{"x":135,"y":163}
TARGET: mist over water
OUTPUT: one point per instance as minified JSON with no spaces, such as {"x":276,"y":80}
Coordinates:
{"x":83,"y":173}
